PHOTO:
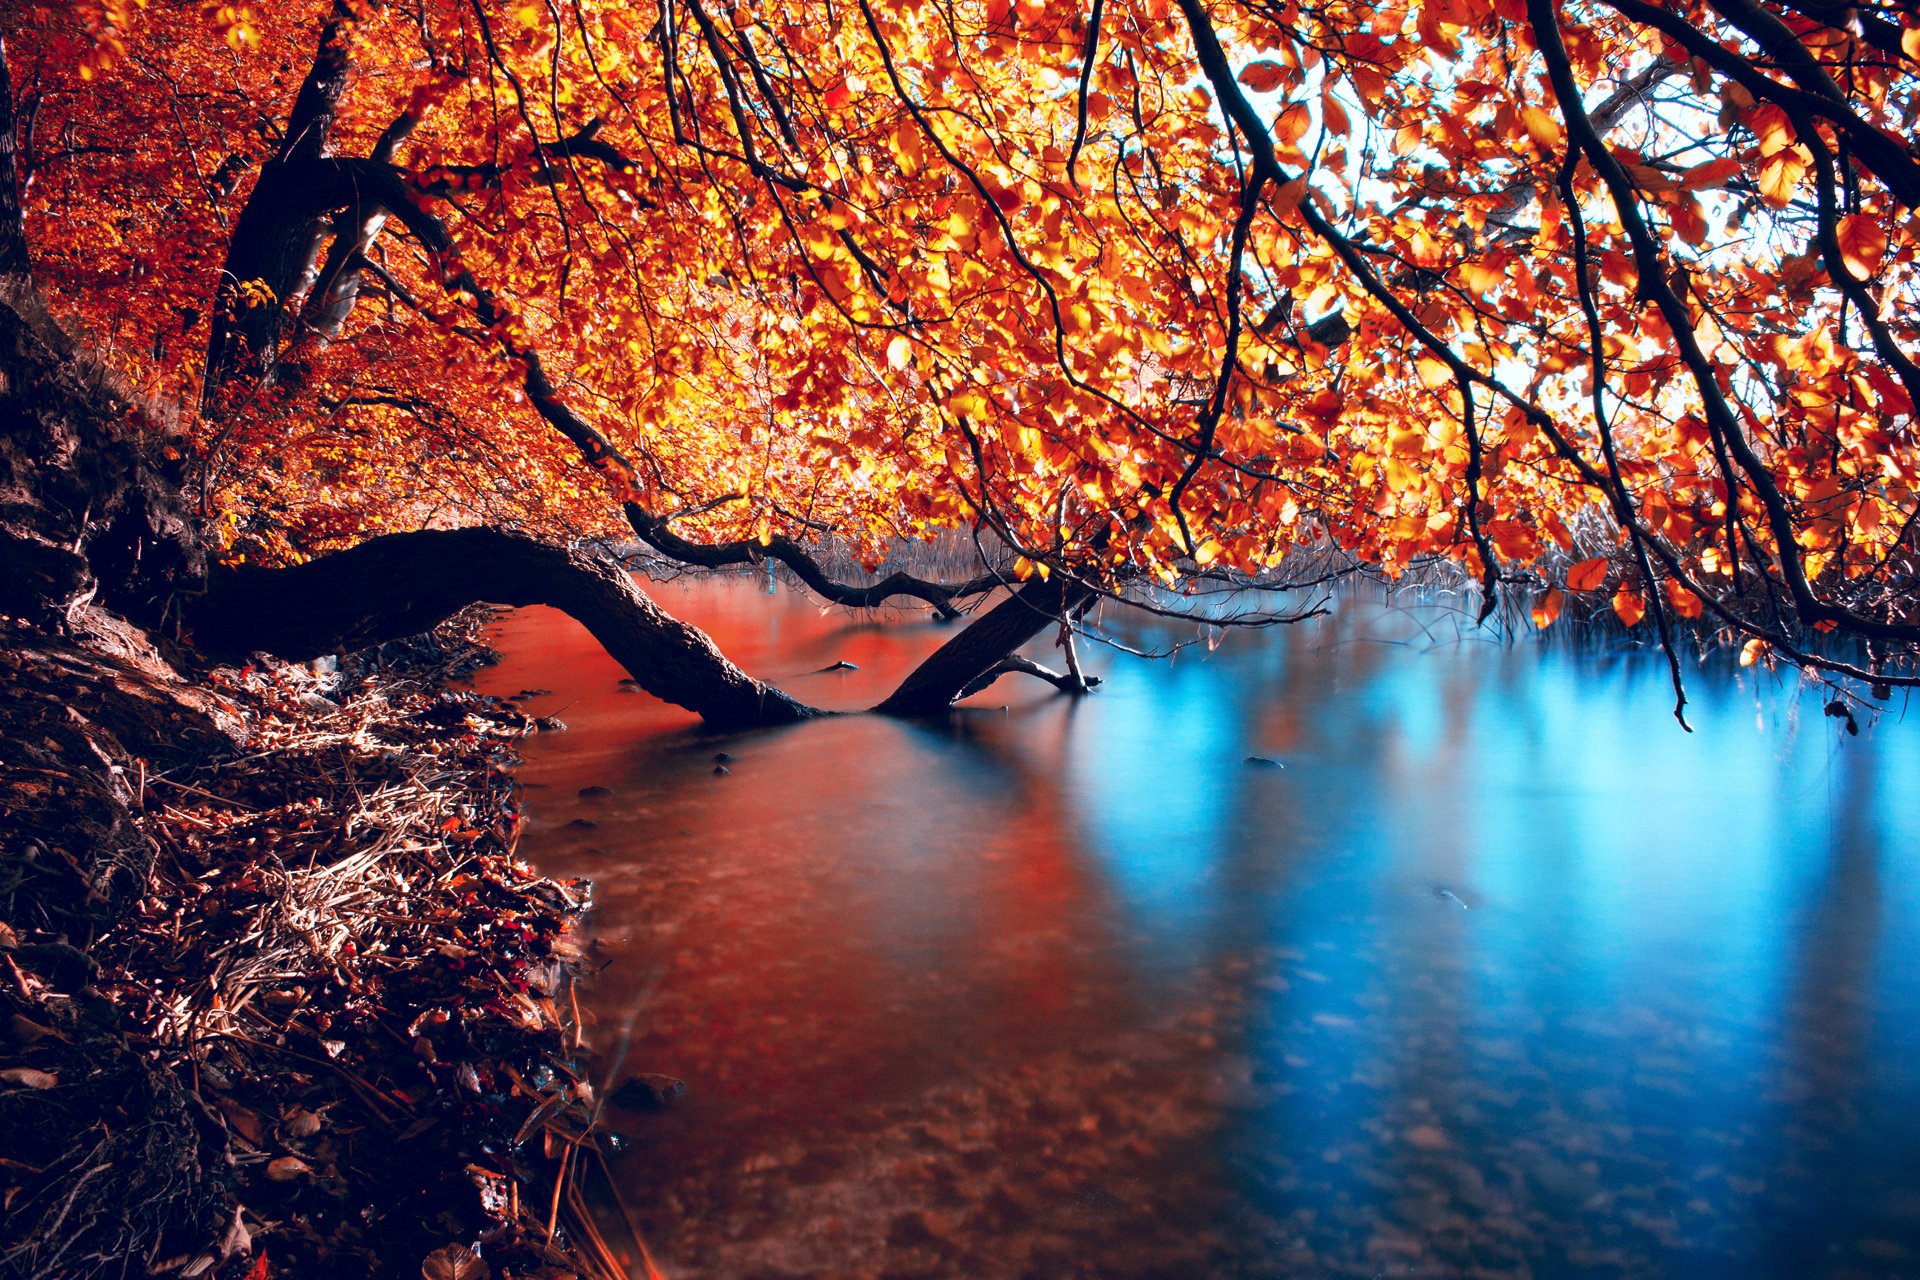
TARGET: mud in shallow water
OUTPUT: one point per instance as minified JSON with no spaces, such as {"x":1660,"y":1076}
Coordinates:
{"x":1500,"y":975}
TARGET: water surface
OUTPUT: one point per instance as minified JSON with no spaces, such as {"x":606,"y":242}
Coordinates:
{"x":1501,"y":975}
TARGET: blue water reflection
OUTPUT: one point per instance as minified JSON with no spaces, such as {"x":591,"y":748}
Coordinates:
{"x":1501,"y":974}
{"x":1534,"y":954}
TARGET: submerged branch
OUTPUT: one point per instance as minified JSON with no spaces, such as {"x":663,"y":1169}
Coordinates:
{"x":1014,"y":664}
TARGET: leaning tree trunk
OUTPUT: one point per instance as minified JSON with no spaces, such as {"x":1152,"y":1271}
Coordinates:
{"x":14,"y":262}
{"x":405,"y":583}
{"x":958,"y":666}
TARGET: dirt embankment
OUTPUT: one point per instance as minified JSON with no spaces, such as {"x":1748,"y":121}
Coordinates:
{"x":276,"y":995}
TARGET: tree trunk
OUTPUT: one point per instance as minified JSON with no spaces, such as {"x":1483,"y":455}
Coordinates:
{"x":277,"y":239}
{"x":955,"y":666}
{"x":404,"y":583}
{"x":14,"y":262}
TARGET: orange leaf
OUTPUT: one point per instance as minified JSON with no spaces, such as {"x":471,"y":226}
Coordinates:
{"x":1780,"y":174}
{"x":1588,"y":575}
{"x":1629,"y":606}
{"x":1714,"y":173}
{"x":1292,"y":125}
{"x":1684,"y":602}
{"x":1648,"y":178}
{"x":1863,"y":243}
{"x":1752,"y":651}
{"x":1264,"y":76}
{"x":1547,"y":608}
{"x":1332,"y":113}
{"x":1287,"y":197}
{"x":1542,"y":127}
{"x":1433,"y":372}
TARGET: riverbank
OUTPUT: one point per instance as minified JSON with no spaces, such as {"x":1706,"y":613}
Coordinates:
{"x":279,"y":996}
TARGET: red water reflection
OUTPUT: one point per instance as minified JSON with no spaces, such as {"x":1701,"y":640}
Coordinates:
{"x":873,"y":949}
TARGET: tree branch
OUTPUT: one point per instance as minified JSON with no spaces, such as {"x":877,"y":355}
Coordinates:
{"x":654,"y":531}
{"x":1014,"y":664}
{"x":405,"y":583}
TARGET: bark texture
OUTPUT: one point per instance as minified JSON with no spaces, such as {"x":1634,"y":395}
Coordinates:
{"x":959,"y":665}
{"x":13,"y":240}
{"x":277,"y":239}
{"x":404,"y":583}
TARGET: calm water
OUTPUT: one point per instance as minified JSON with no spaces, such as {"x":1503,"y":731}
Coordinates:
{"x":1501,"y":975}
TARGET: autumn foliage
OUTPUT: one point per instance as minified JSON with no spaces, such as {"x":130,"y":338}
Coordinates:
{"x":1611,"y":299}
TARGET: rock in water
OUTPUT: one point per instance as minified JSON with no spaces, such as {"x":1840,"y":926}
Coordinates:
{"x":1265,"y":762}
{"x":649,"y":1091}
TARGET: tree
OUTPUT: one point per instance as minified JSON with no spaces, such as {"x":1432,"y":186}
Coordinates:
{"x":1607,"y":297}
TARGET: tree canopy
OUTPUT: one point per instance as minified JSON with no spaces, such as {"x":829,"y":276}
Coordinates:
{"x":1588,"y":296}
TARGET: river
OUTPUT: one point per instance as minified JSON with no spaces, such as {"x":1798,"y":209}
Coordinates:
{"x":1496,"y":972}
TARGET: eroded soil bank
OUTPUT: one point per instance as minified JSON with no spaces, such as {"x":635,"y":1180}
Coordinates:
{"x":277,"y":997}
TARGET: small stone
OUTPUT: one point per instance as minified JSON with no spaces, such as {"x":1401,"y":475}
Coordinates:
{"x":1265,"y":762}
{"x":595,"y":792}
{"x":583,"y":824}
{"x":721,"y":757}
{"x":721,"y":769}
{"x":649,"y":1090}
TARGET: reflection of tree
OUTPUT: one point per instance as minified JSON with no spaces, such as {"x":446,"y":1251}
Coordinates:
{"x":1835,"y":1163}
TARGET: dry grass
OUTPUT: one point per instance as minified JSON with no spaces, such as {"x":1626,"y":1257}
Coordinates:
{"x":359,"y":992}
